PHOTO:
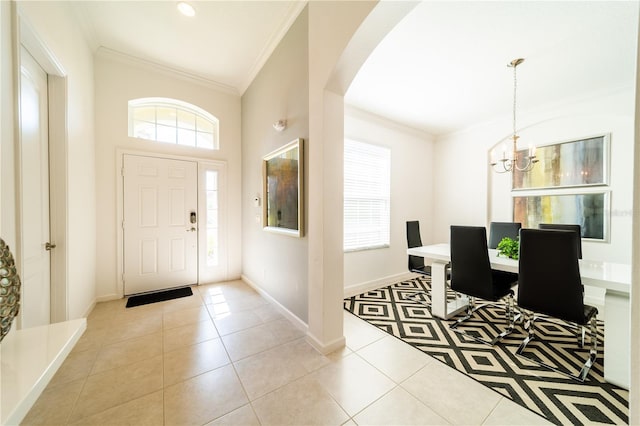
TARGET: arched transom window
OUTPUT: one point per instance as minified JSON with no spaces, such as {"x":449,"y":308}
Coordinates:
{"x":172,"y":121}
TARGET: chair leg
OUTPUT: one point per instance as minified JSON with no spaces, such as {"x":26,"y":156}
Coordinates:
{"x":593,"y":351}
{"x":471,"y":308}
{"x":530,"y":329}
{"x":529,"y":325}
{"x":580,"y":332}
{"x":510,"y":319}
{"x":516,"y":314}
{"x":415,"y":297}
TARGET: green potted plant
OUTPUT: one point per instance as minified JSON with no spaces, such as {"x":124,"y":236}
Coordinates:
{"x":509,"y":247}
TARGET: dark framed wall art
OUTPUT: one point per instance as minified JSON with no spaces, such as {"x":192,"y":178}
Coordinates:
{"x":283,"y":189}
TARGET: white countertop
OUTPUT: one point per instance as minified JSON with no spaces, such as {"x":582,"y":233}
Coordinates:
{"x":29,"y":359}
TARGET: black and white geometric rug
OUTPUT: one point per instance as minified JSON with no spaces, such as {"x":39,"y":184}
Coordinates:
{"x":396,"y":309}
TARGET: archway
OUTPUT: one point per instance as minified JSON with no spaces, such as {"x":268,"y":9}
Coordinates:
{"x":327,"y":86}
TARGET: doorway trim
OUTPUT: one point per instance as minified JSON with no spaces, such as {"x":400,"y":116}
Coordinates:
{"x":58,"y":100}
{"x":120,"y":153}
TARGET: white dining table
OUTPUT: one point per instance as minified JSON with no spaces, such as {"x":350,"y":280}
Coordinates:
{"x":614,"y":278}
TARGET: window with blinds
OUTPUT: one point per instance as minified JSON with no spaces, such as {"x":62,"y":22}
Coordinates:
{"x":172,"y":121}
{"x":367,"y":189}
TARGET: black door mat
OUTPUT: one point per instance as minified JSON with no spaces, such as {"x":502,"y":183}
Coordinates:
{"x":160,"y":296}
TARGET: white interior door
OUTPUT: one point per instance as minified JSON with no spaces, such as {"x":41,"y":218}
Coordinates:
{"x":35,"y":267}
{"x":160,"y":223}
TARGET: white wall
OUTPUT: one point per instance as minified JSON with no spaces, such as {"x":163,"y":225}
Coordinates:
{"x":634,"y":335}
{"x":120,"y":79}
{"x":7,"y":170}
{"x":55,"y":25}
{"x":474,"y":195}
{"x":275,"y":263}
{"x":412,"y":159}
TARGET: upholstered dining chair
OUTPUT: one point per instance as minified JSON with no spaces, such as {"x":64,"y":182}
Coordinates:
{"x":577,"y":232}
{"x":416,"y":263}
{"x":471,"y":275}
{"x":499,"y":230}
{"x":549,"y":285}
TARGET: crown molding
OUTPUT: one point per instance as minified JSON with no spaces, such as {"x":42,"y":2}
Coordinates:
{"x":83,"y":19}
{"x":295,"y":7}
{"x":355,"y":112}
{"x":115,"y":55}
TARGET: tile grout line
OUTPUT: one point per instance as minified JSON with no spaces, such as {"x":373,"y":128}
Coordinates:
{"x":235,"y":371}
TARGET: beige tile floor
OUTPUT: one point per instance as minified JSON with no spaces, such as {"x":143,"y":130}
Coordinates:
{"x":225,"y":356}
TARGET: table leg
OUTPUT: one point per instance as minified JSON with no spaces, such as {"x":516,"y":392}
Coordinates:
{"x":439,"y":290}
{"x":439,"y":306}
{"x":616,"y":339}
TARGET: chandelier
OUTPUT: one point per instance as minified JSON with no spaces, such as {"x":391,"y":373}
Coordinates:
{"x":512,"y":163}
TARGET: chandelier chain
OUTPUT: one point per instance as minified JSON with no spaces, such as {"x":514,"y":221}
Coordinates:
{"x":513,"y":163}
{"x":515,"y":83}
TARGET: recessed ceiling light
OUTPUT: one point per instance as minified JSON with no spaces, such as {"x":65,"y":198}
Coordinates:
{"x":186,"y":9}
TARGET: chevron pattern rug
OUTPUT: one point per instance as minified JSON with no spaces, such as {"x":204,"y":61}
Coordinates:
{"x":402,"y":310}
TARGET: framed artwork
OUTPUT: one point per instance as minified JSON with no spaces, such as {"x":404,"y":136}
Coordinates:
{"x":575,"y":163}
{"x":282,"y":180}
{"x":587,"y":209}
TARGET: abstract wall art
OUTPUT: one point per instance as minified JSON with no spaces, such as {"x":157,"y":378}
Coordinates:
{"x":569,"y":164}
{"x":589,"y":210}
{"x":283,"y":171}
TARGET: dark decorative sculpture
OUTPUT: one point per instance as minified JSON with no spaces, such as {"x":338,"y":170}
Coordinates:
{"x":9,"y":289}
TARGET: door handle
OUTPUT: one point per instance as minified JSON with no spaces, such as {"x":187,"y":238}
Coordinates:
{"x":48,"y":246}
{"x":193,"y":229}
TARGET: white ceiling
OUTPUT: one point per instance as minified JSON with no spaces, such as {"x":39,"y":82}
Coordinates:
{"x":227,"y":42}
{"x":441,"y":69}
{"x":444,"y":67}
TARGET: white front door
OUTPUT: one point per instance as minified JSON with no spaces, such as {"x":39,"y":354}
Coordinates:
{"x":35,"y":270}
{"x":160,"y":223}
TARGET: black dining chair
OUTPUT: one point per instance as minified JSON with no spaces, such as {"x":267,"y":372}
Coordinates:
{"x":471,"y":275}
{"x":549,"y":285}
{"x":577,"y":236}
{"x":499,"y":230}
{"x":416,"y":263}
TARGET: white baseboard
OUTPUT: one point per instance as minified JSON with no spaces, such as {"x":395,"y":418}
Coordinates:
{"x":108,"y":298}
{"x":89,"y":309}
{"x":284,"y":311}
{"x":356,"y":289}
{"x":100,"y":299}
{"x":326,"y":349}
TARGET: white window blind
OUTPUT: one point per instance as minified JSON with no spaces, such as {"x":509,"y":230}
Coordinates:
{"x":367,"y":177}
